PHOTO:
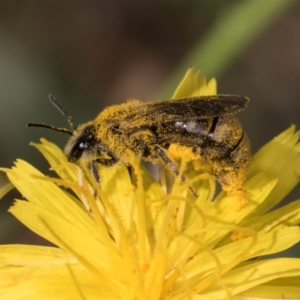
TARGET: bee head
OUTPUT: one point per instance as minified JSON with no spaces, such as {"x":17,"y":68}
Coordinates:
{"x":81,"y":144}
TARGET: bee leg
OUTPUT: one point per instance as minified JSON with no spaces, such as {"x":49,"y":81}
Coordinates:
{"x":167,"y":161}
{"x":94,"y":166}
{"x":131,"y":173}
{"x":172,"y":166}
{"x":94,"y":171}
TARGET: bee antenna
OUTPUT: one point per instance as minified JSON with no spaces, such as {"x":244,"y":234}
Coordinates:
{"x":42,"y":125}
{"x":63,"y":112}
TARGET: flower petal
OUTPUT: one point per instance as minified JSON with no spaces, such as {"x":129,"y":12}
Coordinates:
{"x":45,"y":273}
{"x":57,"y":159}
{"x":242,"y":279}
{"x":5,"y":184}
{"x":232,"y":254}
{"x":280,"y":158}
{"x":193,"y":85}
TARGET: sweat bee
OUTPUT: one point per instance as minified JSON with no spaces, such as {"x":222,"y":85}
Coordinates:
{"x":205,"y":124}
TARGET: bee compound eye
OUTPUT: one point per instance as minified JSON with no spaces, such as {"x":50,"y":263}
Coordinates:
{"x":83,"y":145}
{"x":77,"y":150}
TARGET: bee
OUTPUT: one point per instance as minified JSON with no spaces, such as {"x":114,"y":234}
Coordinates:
{"x":206,"y":125}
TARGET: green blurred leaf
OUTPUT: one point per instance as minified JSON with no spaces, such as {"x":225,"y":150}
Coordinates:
{"x":228,"y":38}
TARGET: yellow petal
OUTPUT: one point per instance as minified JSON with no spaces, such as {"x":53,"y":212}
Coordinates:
{"x":241,"y":279}
{"x":45,"y":273}
{"x":280,"y":158}
{"x":242,"y":250}
{"x":57,"y":159}
{"x":27,"y":255}
{"x":286,"y":215}
{"x":5,"y":184}
{"x":193,"y":85}
{"x":268,"y":291}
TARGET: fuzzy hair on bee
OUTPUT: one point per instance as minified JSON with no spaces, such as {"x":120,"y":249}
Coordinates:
{"x":207,"y":125}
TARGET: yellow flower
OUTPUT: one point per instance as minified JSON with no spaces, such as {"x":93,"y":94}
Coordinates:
{"x":128,"y":239}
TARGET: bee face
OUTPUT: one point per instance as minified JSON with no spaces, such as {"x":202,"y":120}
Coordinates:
{"x":206,"y":124}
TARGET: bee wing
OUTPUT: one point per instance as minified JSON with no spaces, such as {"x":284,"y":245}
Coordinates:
{"x":200,"y":107}
{"x":194,"y":108}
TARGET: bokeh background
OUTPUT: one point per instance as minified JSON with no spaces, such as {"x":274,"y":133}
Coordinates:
{"x":90,"y":54}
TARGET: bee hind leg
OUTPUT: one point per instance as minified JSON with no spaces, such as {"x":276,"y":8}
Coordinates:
{"x":172,"y":166}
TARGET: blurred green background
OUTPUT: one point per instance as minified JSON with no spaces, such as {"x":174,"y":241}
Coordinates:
{"x":90,"y":54}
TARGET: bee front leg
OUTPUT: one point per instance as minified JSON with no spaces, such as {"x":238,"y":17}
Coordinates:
{"x":172,"y":166}
{"x":94,"y":164}
{"x":94,"y":171}
{"x":102,"y":162}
